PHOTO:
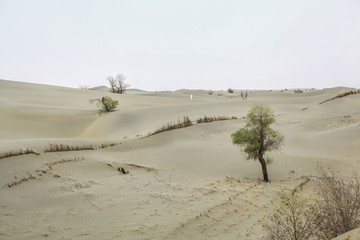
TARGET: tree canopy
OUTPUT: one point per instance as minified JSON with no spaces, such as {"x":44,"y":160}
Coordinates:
{"x":257,"y":137}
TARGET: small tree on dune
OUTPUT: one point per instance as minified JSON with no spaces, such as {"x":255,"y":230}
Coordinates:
{"x":107,"y":104}
{"x":257,"y":138}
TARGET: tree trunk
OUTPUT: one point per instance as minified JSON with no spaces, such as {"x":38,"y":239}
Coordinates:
{"x":264,"y":169}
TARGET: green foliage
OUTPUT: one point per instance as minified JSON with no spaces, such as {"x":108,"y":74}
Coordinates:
{"x":230,"y":90}
{"x":257,"y":137}
{"x":298,"y":91}
{"x":107,"y":104}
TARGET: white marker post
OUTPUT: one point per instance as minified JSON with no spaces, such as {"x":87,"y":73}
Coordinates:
{"x":190,"y":96}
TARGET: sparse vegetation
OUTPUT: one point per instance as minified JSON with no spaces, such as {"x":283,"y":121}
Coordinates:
{"x":207,"y":119}
{"x":118,"y":84}
{"x":244,"y":95}
{"x":17,"y":182}
{"x":67,"y":147}
{"x":210,"y":92}
{"x":107,"y":104}
{"x":298,"y":91}
{"x":18,"y":152}
{"x":342,"y":95}
{"x":291,"y":220}
{"x":257,"y":138}
{"x":186,"y":122}
{"x":40,"y":172}
{"x":334,"y":211}
{"x":338,"y":206}
{"x":230,"y":90}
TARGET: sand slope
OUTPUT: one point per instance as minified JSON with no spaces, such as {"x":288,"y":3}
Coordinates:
{"x":189,"y":183}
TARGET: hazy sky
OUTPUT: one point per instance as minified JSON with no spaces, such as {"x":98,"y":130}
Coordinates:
{"x":174,"y":44}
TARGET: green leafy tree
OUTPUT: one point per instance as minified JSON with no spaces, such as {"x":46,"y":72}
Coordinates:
{"x":256,"y":138}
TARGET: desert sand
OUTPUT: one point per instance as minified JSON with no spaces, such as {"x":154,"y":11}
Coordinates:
{"x":189,"y":183}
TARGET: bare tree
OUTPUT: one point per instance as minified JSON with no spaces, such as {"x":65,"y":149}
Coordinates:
{"x":112,"y":84}
{"x":339,"y":204}
{"x":118,"y":84}
{"x":292,"y":220}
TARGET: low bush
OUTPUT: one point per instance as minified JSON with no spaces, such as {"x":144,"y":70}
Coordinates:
{"x":298,"y":91}
{"x":334,"y":211}
{"x":339,"y":204}
{"x":107,"y":104}
{"x":290,"y":220}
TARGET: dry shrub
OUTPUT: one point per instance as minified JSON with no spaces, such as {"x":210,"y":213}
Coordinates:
{"x":207,"y":119}
{"x":335,"y":211}
{"x":18,"y":152}
{"x":339,"y":204}
{"x":118,"y":84}
{"x":291,"y":221}
{"x":342,"y":95}
{"x":186,"y":122}
{"x":66,"y":147}
{"x":57,"y":148}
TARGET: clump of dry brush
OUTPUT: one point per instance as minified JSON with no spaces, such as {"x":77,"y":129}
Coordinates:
{"x":186,"y":122}
{"x":207,"y":119}
{"x":334,"y":211}
{"x":341,"y":95}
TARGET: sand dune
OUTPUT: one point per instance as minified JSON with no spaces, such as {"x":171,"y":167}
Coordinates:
{"x":189,"y":183}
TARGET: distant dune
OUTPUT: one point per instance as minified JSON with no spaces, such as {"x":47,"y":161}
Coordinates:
{"x":188,"y":183}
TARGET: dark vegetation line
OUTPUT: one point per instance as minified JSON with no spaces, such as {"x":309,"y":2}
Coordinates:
{"x":57,"y":148}
{"x":41,"y":172}
{"x":186,"y":122}
{"x":342,"y":95}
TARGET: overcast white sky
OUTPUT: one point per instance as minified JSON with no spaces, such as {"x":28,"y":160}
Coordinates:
{"x":174,"y":44}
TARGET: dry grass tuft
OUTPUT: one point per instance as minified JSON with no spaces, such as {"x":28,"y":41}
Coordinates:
{"x":67,"y":147}
{"x":57,"y":148}
{"x":207,"y":119}
{"x":342,"y":95}
{"x":18,"y":152}
{"x":186,"y":122}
